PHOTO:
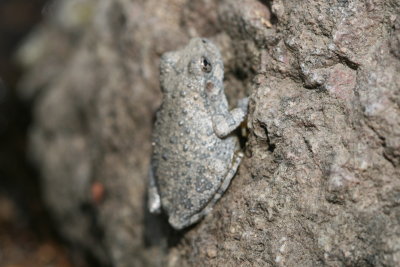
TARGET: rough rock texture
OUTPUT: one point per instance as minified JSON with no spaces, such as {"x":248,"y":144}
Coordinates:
{"x":320,"y":183}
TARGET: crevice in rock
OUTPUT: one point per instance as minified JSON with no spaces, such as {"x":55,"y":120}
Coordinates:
{"x":268,"y":3}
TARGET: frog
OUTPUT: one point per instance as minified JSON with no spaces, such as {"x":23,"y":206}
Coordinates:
{"x":195,"y":150}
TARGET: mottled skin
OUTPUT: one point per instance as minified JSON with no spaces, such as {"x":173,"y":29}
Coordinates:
{"x":195,"y":156}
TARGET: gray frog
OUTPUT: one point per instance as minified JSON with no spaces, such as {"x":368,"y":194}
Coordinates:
{"x":195,"y":156}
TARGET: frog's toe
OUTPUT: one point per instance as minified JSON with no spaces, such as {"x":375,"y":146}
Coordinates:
{"x":154,"y":201}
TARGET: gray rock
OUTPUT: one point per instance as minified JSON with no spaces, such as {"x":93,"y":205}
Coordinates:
{"x":319,"y":185}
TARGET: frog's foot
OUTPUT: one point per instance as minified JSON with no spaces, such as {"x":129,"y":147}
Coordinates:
{"x":237,"y":158}
{"x":154,"y":201}
{"x":226,"y":122}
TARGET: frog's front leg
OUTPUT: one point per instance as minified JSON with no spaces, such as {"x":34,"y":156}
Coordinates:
{"x":226,"y":122}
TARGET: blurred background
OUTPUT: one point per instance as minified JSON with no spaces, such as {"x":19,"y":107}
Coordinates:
{"x":27,"y":236}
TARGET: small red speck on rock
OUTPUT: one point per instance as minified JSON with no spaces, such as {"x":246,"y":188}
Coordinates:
{"x":97,"y":192}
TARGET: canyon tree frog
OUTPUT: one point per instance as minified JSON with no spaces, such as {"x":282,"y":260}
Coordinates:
{"x":195,"y":154}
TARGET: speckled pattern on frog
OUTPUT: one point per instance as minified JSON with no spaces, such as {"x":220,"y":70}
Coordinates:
{"x":195,"y":154}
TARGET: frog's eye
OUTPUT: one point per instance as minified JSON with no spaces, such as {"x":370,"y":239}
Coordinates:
{"x":206,"y":65}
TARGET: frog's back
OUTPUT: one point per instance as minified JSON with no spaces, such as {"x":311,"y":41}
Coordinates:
{"x":189,"y":160}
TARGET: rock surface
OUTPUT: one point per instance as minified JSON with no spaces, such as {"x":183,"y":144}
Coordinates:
{"x":320,"y":183}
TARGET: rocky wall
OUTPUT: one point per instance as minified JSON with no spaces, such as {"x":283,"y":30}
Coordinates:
{"x":320,"y":181}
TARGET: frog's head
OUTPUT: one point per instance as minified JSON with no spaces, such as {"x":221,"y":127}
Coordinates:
{"x":200,"y":62}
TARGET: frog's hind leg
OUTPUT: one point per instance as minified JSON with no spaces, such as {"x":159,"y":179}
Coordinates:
{"x":154,"y":201}
{"x":237,"y":158}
